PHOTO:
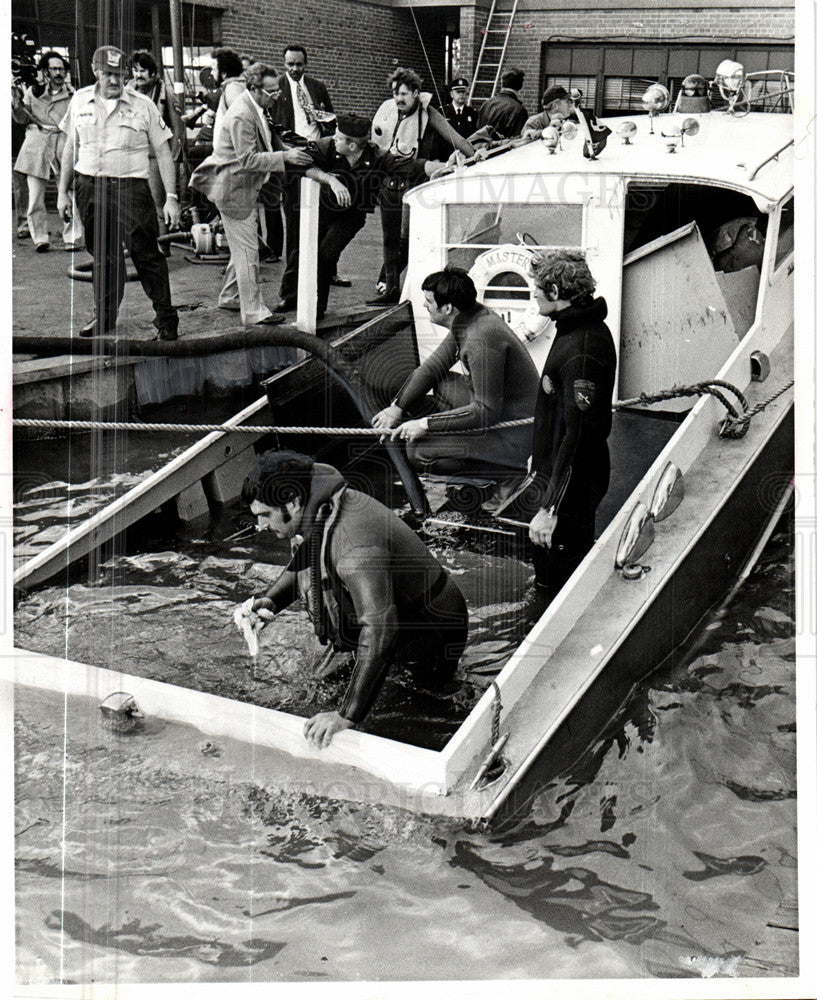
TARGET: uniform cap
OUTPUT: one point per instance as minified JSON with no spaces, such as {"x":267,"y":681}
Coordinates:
{"x":110,"y":58}
{"x":556,"y":93}
{"x":460,"y":83}
{"x":354,"y":126}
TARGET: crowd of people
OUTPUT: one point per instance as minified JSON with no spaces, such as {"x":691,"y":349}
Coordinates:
{"x":122,"y":143}
{"x":117,"y":147}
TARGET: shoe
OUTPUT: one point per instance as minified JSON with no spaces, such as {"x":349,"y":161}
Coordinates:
{"x":272,"y":320}
{"x":43,"y":247}
{"x":268,"y":257}
{"x":73,"y":247}
{"x":286,"y":305}
{"x":91,"y":330}
{"x":380,"y":287}
{"x":339,"y":282}
{"x":388,"y":298}
{"x":165,"y":333}
{"x":22,"y":232}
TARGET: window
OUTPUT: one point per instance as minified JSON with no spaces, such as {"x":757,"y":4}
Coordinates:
{"x":785,"y":235}
{"x":620,"y":73}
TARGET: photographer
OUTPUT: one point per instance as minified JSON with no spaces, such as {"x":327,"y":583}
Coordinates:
{"x":41,"y":107}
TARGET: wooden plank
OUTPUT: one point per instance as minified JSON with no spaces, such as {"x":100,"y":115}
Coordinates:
{"x":43,"y":369}
{"x":187,"y":468}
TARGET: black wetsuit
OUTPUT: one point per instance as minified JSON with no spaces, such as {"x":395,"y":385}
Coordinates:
{"x":573,"y":420}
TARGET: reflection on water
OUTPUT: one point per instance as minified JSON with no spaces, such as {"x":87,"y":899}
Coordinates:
{"x":668,"y":850}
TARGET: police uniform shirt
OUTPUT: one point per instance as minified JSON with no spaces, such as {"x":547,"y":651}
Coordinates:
{"x":463,"y":119}
{"x":115,"y":144}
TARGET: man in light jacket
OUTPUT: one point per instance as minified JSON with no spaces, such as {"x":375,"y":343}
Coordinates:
{"x":245,"y":153}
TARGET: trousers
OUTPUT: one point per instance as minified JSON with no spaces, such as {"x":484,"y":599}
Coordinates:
{"x":119,"y":212}
{"x":38,"y":217}
{"x":242,"y":286}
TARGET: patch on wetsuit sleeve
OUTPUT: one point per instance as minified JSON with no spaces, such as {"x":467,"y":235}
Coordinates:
{"x":584,"y":393}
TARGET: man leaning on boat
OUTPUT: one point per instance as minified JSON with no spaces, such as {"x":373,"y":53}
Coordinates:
{"x":370,"y":584}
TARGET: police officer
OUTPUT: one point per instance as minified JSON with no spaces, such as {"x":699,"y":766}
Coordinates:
{"x":110,"y":132}
{"x":573,"y":417}
{"x":462,"y":115}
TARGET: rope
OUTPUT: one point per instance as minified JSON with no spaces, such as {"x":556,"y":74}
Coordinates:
{"x":734,"y":425}
{"x":428,"y":61}
{"x":497,"y":709}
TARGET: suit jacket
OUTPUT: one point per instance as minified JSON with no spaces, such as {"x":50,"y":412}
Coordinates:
{"x":242,"y":158}
{"x":463,"y":119}
{"x":282,"y":112}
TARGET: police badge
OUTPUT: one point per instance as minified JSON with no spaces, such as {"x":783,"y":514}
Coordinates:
{"x":584,"y":393}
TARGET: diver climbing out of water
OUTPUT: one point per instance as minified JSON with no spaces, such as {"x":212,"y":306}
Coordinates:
{"x":370,"y":584}
{"x":499,"y":384}
{"x":573,"y":417}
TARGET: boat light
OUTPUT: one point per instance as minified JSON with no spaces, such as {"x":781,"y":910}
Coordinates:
{"x":655,"y":100}
{"x":636,"y":538}
{"x":120,"y":712}
{"x":673,"y":137}
{"x":730,"y":75}
{"x":568,"y":131}
{"x":690,"y":127}
{"x":550,"y":137}
{"x":668,"y":493}
{"x":627,"y":131}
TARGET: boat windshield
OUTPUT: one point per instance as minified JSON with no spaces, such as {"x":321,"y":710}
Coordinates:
{"x":472,"y":228}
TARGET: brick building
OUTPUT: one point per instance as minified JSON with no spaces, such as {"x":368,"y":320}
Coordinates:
{"x":608,"y":49}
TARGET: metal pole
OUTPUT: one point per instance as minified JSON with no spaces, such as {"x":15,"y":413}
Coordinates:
{"x":156,"y":33}
{"x":178,"y":55}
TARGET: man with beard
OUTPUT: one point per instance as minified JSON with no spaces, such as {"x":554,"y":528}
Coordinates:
{"x":146,"y":81}
{"x":407,"y":125}
{"x":41,"y":108}
{"x":371,"y":586}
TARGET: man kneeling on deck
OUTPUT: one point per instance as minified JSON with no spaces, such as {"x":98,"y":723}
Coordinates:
{"x":369,"y":583}
{"x":500,"y":384}
{"x":573,"y":417}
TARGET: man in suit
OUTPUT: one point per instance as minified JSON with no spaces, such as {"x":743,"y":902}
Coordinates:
{"x":301,"y":106}
{"x":245,"y":153}
{"x":505,"y":112}
{"x":462,"y":115}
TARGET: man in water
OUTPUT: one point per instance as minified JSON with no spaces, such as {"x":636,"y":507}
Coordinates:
{"x":573,"y":417}
{"x":370,"y":584}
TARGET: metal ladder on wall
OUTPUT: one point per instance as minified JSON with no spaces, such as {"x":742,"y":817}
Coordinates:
{"x":491,"y":58}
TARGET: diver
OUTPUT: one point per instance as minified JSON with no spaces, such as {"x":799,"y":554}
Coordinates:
{"x":370,"y":585}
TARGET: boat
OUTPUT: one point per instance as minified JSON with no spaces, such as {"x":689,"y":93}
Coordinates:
{"x":701,"y":447}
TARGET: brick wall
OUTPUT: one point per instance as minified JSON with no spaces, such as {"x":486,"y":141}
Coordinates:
{"x":352,"y":47}
{"x":633,"y":26}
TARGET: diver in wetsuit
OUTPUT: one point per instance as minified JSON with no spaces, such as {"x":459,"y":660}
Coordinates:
{"x":573,"y":417}
{"x":370,"y":584}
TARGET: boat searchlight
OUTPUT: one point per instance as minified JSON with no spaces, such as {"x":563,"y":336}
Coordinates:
{"x":627,"y":131}
{"x":655,"y":100}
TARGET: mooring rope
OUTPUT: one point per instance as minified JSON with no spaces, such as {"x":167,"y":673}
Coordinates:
{"x":733,"y":425}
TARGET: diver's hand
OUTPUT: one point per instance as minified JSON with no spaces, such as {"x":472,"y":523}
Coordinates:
{"x":411,"y":430}
{"x":320,"y":729}
{"x":542,"y":527}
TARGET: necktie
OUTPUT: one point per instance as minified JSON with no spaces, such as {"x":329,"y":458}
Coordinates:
{"x":306,"y":104}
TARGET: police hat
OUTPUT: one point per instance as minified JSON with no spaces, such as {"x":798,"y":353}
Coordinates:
{"x":111,"y":59}
{"x":460,"y":83}
{"x":354,"y":126}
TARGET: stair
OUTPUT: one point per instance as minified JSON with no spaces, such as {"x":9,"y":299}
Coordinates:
{"x":491,"y":59}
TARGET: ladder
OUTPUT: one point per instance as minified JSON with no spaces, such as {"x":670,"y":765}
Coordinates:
{"x":491,"y":58}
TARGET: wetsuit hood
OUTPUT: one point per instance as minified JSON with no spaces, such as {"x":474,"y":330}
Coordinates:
{"x":569,"y":319}
{"x":325,"y":481}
